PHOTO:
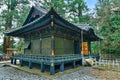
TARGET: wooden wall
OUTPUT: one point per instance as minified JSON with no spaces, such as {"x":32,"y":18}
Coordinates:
{"x":35,"y":46}
{"x":44,"y":46}
{"x":63,"y":46}
{"x":38,"y":46}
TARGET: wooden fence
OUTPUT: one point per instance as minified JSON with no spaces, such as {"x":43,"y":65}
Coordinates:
{"x":108,"y":64}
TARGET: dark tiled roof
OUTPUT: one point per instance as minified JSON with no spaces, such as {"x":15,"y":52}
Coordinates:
{"x":85,"y":27}
{"x":43,"y":17}
{"x":34,"y":14}
{"x":90,"y":29}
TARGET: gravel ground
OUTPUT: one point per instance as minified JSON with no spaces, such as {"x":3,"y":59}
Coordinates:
{"x":81,"y":74}
{"x":10,"y":73}
{"x":106,"y":74}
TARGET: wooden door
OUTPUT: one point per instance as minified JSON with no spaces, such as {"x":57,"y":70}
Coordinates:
{"x":84,"y":48}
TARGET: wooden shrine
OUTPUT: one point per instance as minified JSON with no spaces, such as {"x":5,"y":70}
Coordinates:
{"x":52,"y":40}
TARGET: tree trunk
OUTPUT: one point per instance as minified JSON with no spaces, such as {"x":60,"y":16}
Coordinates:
{"x":6,"y":43}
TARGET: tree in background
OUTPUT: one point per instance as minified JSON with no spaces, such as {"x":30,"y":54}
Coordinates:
{"x":13,"y":16}
{"x":59,"y":5}
{"x":75,"y":10}
{"x":108,"y":20}
{"x":72,"y":10}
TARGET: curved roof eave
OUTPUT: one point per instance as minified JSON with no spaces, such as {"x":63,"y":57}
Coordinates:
{"x":32,"y":11}
{"x":50,"y":12}
{"x":12,"y":31}
{"x":94,"y":37}
{"x":47,"y":17}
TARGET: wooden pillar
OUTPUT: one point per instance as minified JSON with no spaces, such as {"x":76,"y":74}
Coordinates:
{"x":12,"y":59}
{"x":62,"y":67}
{"x":21,"y":62}
{"x":82,"y":40}
{"x":89,"y":47}
{"x":40,"y":45}
{"x":52,"y":65}
{"x":42,"y":67}
{"x":30,"y":65}
{"x":64,"y":47}
{"x":14,"y":62}
{"x":100,"y":46}
{"x":52,"y":46}
{"x":81,"y":62}
{"x":52,"y":69}
{"x":73,"y":47}
{"x":79,"y":50}
{"x":74,"y":64}
{"x":52,"y":37}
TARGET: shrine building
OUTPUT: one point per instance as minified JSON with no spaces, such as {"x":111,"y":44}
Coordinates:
{"x":52,"y":40}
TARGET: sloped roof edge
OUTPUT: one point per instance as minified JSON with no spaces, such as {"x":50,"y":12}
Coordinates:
{"x":27,"y":27}
{"x":32,"y":10}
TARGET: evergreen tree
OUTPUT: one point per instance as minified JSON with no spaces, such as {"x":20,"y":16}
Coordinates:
{"x":72,"y":10}
{"x":108,"y":18}
{"x":58,"y":5}
{"x":12,"y":14}
{"x":75,"y":10}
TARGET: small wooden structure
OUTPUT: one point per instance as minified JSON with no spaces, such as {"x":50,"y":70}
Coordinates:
{"x":52,"y":40}
{"x":11,"y":51}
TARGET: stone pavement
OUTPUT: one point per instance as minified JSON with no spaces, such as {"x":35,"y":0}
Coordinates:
{"x":10,"y":73}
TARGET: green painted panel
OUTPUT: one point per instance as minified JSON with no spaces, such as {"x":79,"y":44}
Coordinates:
{"x":59,"y":45}
{"x":63,"y":46}
{"x":26,"y":46}
{"x":59,"y":42}
{"x":27,"y":51}
{"x":59,"y":51}
{"x":69,"y":46}
{"x":36,"y":46}
{"x":46,"y":46}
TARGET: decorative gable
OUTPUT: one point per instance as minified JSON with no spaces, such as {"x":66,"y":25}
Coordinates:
{"x":34,"y":14}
